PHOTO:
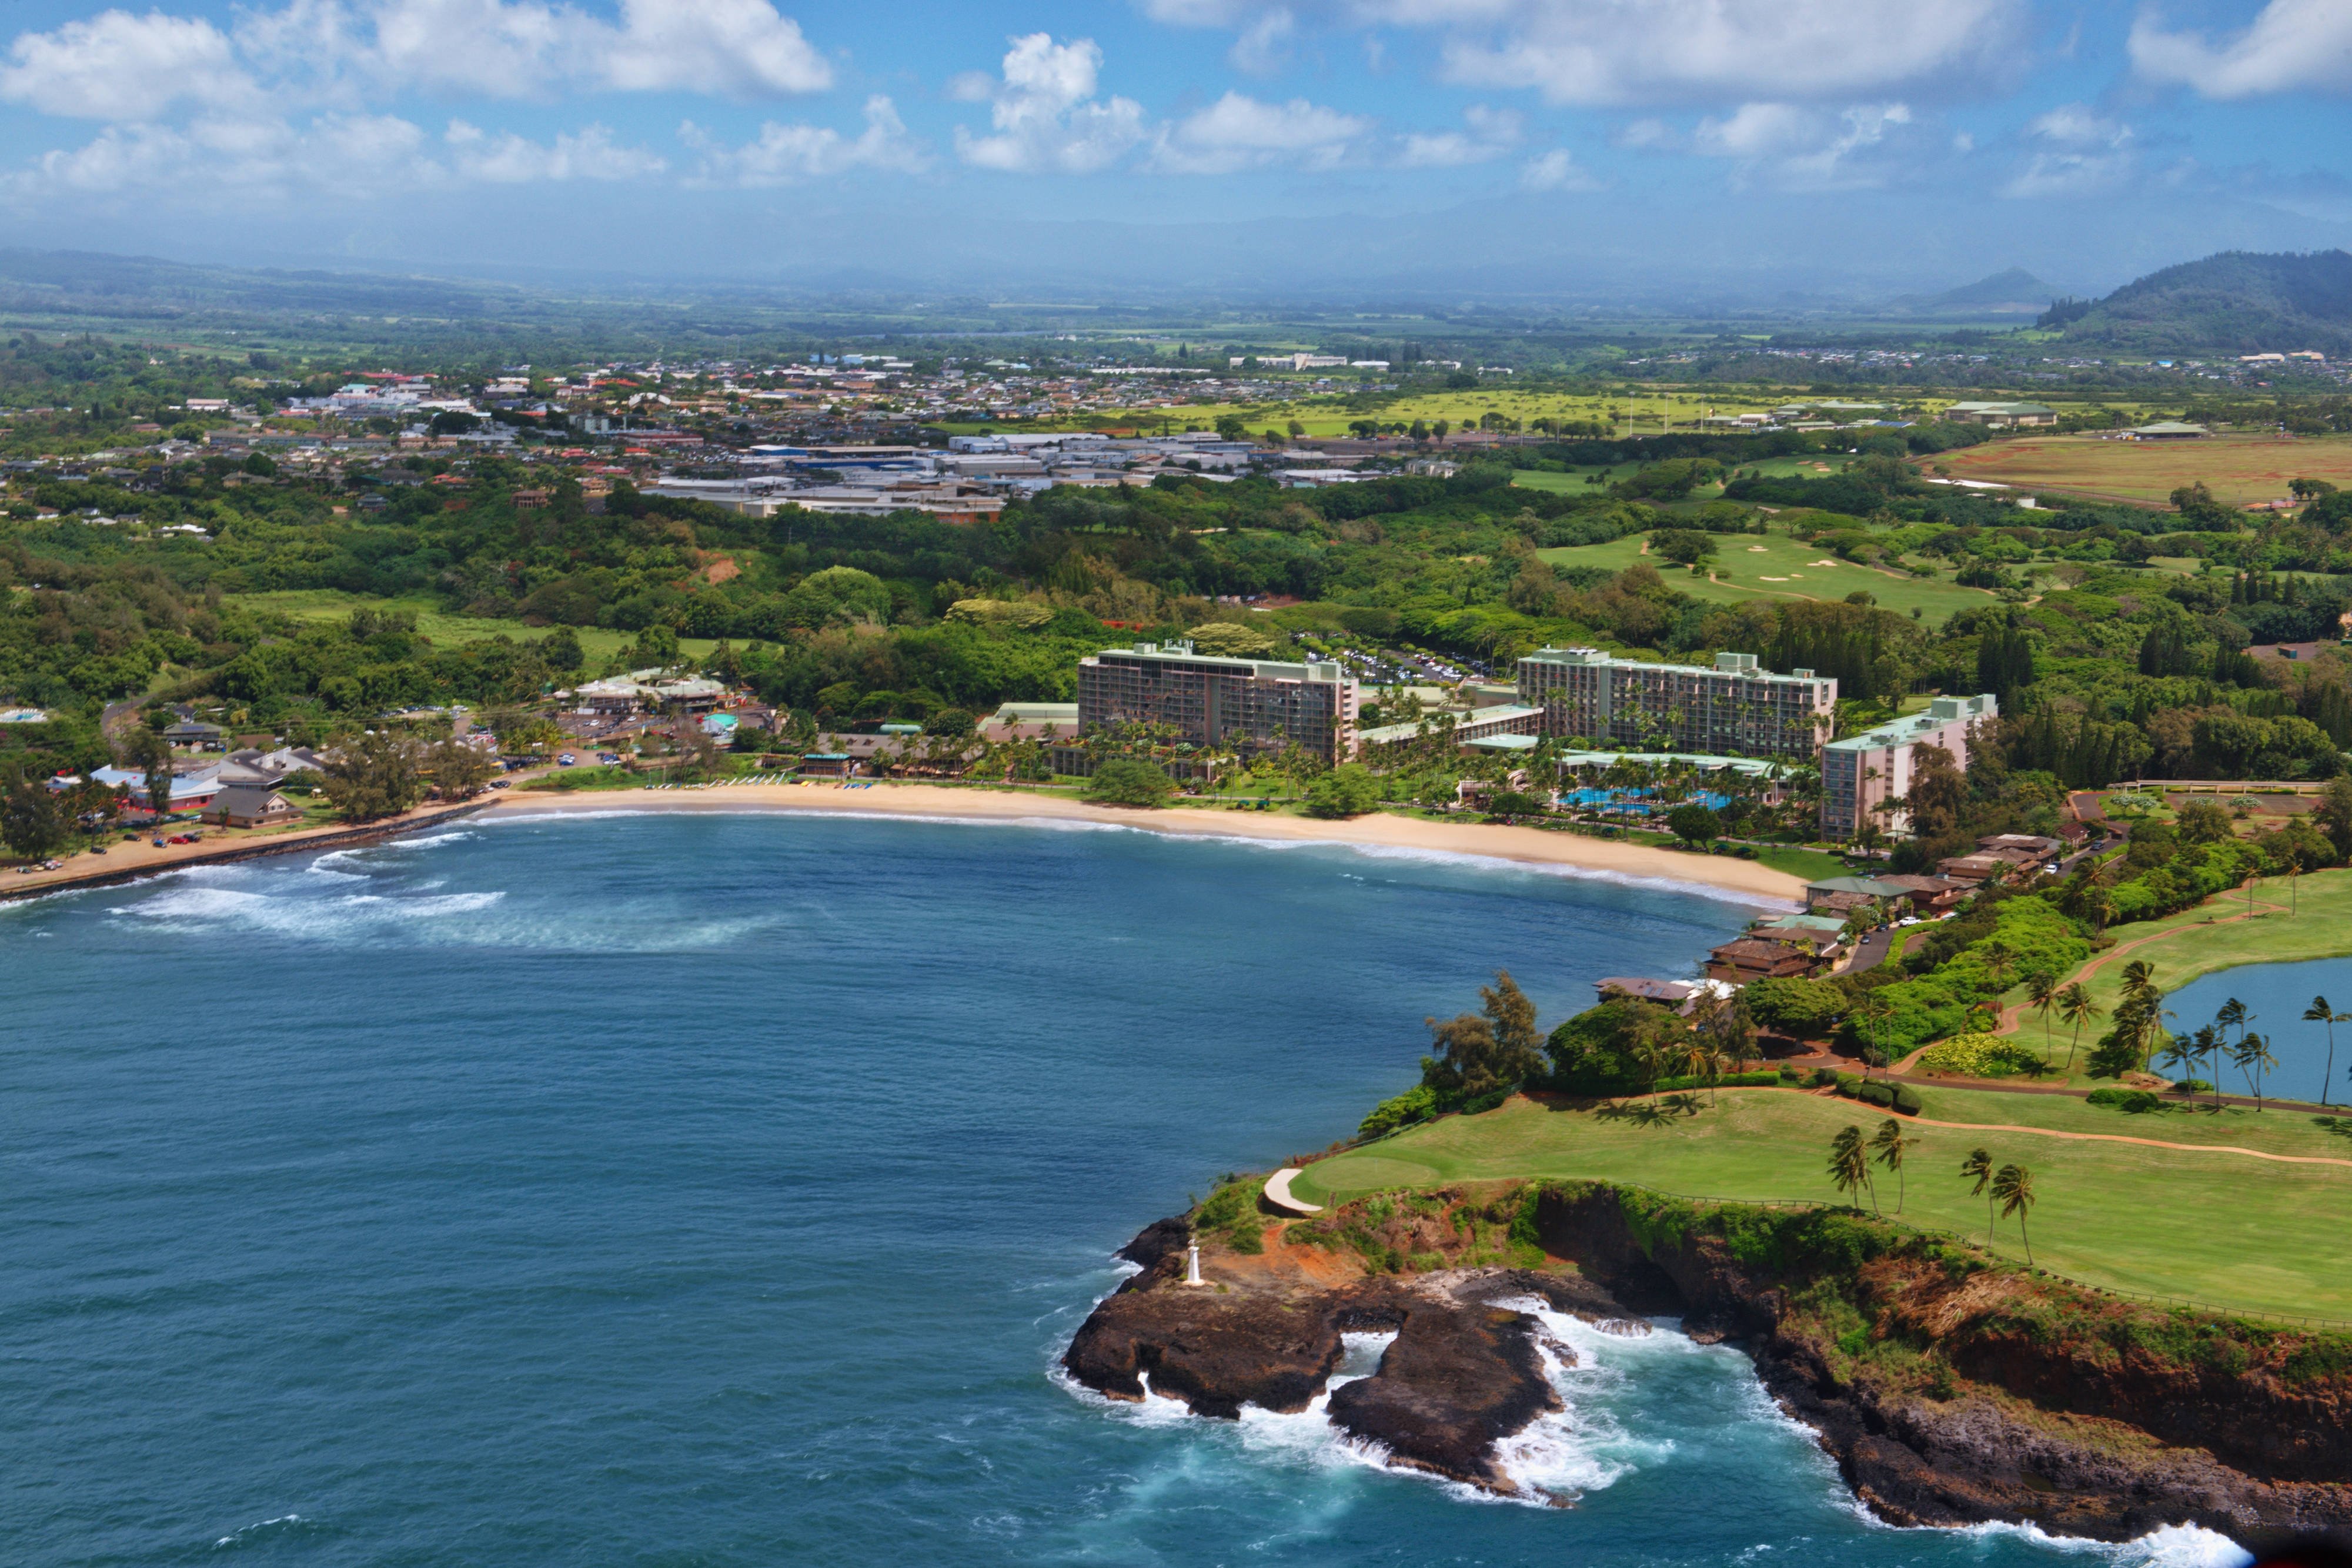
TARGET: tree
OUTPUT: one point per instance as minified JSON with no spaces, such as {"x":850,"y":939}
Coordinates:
{"x":1888,"y":1146}
{"x":30,"y":822}
{"x":1477,"y":1053}
{"x":2012,"y":1188}
{"x":460,"y":770}
{"x":1693,"y":823}
{"x":372,"y":775}
{"x":1979,"y":1165}
{"x":1349,"y":791}
{"x":2251,"y":1056}
{"x":1850,"y":1163}
{"x":2043,"y":997}
{"x":2319,"y":1012}
{"x":2333,"y":815}
{"x":153,"y":754}
{"x":1127,"y":781}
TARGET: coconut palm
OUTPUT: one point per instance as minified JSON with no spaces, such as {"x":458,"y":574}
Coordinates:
{"x":1979,"y":1165}
{"x":2251,"y":1056}
{"x":1887,"y":1148}
{"x":2139,"y":980}
{"x":2319,"y":1012}
{"x":2076,"y":1008}
{"x":1850,"y":1163}
{"x":2041,"y":998}
{"x":2012,"y":1188}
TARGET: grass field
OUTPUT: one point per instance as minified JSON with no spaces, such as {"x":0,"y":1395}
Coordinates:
{"x":1773,"y":566}
{"x":2220,"y":1228}
{"x":446,"y":631}
{"x":2240,"y":469}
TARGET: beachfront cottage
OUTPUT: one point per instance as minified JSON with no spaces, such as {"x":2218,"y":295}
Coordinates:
{"x":1748,"y":958}
{"x":250,"y":805}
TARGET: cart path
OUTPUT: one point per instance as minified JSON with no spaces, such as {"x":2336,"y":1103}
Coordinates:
{"x":2122,"y":1138}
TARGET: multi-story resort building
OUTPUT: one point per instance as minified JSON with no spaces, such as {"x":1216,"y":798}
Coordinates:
{"x":1860,"y":773}
{"x":1253,"y":706}
{"x":1615,"y":703}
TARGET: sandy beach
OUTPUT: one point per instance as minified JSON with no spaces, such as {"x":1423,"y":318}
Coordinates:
{"x":1534,"y":846}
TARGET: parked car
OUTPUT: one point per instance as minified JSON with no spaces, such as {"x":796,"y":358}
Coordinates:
{"x":566,"y":760}
{"x":499,"y":783}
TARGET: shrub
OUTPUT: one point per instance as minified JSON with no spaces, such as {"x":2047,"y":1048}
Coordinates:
{"x":1980,"y":1056}
{"x":2130,"y":1101}
{"x":1345,"y":791}
{"x":1824,"y":1076}
{"x":1416,"y":1104}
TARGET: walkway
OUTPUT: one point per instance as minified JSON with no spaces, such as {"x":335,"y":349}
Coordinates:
{"x":2122,"y":1138}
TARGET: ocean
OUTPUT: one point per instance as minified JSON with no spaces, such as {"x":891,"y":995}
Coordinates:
{"x":720,"y":1189}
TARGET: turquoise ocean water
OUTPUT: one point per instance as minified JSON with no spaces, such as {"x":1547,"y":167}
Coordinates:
{"x":720,"y":1189}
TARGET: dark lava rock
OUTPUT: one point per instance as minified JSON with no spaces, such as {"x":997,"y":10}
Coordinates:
{"x":1459,"y":1378}
{"x":1214,"y":1351}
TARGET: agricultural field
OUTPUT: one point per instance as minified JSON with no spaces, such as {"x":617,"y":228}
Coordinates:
{"x":446,"y":631}
{"x":1774,"y":566}
{"x":2240,"y":468}
{"x":2279,"y":1250}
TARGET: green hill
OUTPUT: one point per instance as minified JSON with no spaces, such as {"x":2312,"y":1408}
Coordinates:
{"x":2234,"y":302}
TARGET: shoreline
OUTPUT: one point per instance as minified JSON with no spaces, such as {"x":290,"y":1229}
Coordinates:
{"x":1716,"y":874}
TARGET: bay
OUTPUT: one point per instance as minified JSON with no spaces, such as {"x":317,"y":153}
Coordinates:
{"x":720,"y":1189}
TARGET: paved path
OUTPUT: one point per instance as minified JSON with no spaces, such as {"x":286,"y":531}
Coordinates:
{"x":2121,"y":1138}
{"x":1871,"y":951}
{"x":1278,"y":1193}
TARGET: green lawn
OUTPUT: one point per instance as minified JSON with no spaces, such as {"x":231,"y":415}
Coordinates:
{"x":599,"y":643}
{"x":1749,"y":566}
{"x":2218,"y":1227}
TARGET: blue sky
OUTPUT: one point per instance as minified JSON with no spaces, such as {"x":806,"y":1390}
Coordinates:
{"x":1560,"y":147}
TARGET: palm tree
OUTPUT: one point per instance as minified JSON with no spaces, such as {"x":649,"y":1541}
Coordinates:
{"x":2139,"y":980}
{"x":2013,"y":1189}
{"x":2319,"y":1012}
{"x":2076,"y":1008}
{"x":1872,"y":1010}
{"x":2186,"y":1050}
{"x":1998,"y":964}
{"x":2041,"y":998}
{"x":1979,"y":1165}
{"x":2251,"y":1056}
{"x":1850,"y":1163}
{"x":1887,"y":1148}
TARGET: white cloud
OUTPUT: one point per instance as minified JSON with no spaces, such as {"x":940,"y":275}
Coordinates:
{"x":1796,"y":147}
{"x":1047,"y":116}
{"x":1557,"y":170}
{"x":1240,"y":132}
{"x":2075,"y":151}
{"x":787,"y":154}
{"x":2292,"y":45}
{"x":506,"y":159}
{"x":340,"y":156}
{"x":124,"y":68}
{"x":116,"y":66}
{"x":1493,"y":133}
{"x":1263,"y":47}
{"x":1639,"y":51}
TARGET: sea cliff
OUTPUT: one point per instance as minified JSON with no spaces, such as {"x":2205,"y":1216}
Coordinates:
{"x":1951,"y":1389}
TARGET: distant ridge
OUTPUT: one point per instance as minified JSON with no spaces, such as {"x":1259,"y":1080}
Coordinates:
{"x":2238,"y":301}
{"x":2015,"y":292}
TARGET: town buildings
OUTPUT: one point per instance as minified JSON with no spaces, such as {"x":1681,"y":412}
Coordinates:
{"x":1255,"y":707}
{"x":1862,"y":773}
{"x":1734,"y":706}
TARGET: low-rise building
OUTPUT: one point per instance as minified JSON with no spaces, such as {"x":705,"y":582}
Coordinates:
{"x":1864,"y":774}
{"x":1477,"y":723}
{"x":1747,"y":958}
{"x":250,"y":805}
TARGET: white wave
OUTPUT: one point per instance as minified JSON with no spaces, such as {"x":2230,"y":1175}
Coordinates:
{"x":232,"y":1538}
{"x":2168,"y":1546}
{"x":423,"y":840}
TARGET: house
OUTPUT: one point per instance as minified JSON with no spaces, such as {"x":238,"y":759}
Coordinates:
{"x":1671,"y":993}
{"x":1841,"y":895}
{"x":827,"y":764}
{"x":192,"y":735}
{"x":1927,"y":896}
{"x":2000,"y":413}
{"x":2041,"y":850}
{"x":1985,"y":864}
{"x":250,"y":805}
{"x":1752,"y":958}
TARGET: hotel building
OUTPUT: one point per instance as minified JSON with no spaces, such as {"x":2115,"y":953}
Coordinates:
{"x":1252,"y":705}
{"x":1862,"y":772}
{"x":1733,"y":707}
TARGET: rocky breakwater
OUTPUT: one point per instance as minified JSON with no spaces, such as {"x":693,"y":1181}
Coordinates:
{"x":1464,"y":1370}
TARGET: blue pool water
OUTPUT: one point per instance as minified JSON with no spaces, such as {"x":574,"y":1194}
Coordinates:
{"x":719,"y":1190}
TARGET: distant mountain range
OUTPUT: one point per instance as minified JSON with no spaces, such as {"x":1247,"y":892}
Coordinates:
{"x":2015,"y":292}
{"x":2238,"y":301}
